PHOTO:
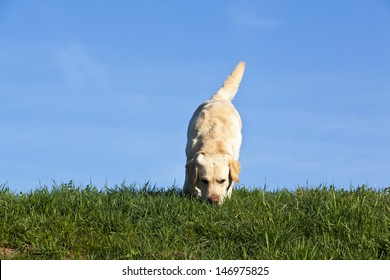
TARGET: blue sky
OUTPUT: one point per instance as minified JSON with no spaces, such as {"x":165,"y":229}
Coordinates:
{"x":102,"y":91}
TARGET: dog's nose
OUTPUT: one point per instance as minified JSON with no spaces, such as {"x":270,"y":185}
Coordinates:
{"x":214,"y":198}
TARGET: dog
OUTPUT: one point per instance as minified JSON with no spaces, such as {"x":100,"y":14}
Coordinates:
{"x":213,"y":144}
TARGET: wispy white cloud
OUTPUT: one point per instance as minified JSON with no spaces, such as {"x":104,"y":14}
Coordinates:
{"x":253,"y":21}
{"x":252,"y":14}
{"x":78,"y":67}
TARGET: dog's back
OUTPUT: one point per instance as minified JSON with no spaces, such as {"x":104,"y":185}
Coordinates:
{"x":215,"y":126}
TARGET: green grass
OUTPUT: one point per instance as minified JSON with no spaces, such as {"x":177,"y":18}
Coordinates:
{"x":69,"y":222}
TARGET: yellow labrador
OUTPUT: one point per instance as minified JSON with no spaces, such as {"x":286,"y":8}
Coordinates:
{"x":213,"y":144}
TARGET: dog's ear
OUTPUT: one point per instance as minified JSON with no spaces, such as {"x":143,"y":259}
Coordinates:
{"x":234,"y":166}
{"x":192,"y":171}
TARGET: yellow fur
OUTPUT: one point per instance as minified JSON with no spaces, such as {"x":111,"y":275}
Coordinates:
{"x":213,"y":144}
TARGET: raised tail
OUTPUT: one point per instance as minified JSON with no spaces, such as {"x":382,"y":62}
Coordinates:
{"x":231,"y":84}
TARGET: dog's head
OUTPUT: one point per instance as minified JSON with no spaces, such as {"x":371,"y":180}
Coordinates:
{"x":214,"y":175}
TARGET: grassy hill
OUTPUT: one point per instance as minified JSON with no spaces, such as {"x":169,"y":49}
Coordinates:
{"x":126,"y":222}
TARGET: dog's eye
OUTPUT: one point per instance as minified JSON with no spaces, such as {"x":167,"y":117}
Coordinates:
{"x":221,"y":181}
{"x":205,"y":181}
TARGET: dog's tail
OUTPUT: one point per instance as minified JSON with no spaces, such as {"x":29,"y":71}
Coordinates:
{"x":231,"y":84}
